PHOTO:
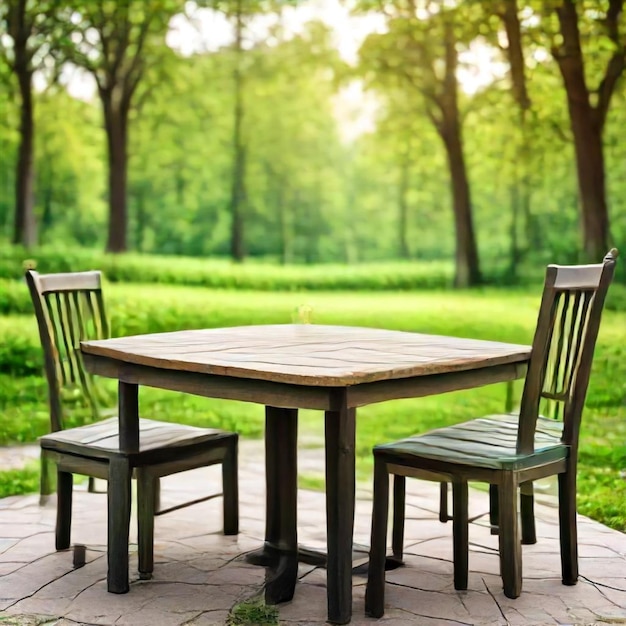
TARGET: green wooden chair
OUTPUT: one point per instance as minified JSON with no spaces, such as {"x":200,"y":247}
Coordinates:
{"x":507,"y":450}
{"x":70,"y":308}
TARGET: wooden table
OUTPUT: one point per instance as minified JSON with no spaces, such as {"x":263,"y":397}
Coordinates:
{"x":286,"y":367}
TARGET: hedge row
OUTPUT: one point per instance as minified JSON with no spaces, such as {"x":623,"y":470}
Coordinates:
{"x":222,"y":274}
{"x":15,"y":300}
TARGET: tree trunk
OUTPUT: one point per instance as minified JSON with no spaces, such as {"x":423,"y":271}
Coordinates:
{"x":286,"y":227}
{"x":587,"y":124}
{"x":46,"y":216}
{"x":520,"y":187}
{"x":403,"y":208}
{"x":115,"y":122}
{"x":514,"y":253}
{"x":467,"y":271}
{"x":140,"y":225}
{"x":591,"y":175}
{"x":25,"y":227}
{"x":238,"y":190}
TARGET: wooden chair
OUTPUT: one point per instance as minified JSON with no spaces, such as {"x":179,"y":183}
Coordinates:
{"x":507,"y":450}
{"x":69,"y":308}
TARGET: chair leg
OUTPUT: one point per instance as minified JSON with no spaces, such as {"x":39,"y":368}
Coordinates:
{"x":493,"y":509}
{"x":460,"y":530}
{"x":527,"y":511}
{"x":65,"y":482}
{"x":443,"y":502}
{"x":147,"y":486}
{"x":509,"y":539}
{"x":567,"y":527}
{"x":45,"y":479}
{"x":230,"y":490}
{"x":399,"y":506}
{"x":375,"y":590}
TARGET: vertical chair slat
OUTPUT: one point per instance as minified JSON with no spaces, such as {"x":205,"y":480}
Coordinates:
{"x":547,"y":366}
{"x":582,"y":324}
{"x":63,"y":331}
{"x":78,"y":333}
{"x":560,"y":339}
{"x":570,"y":353}
{"x":103,"y":331}
{"x":52,"y":315}
{"x":70,"y":322}
{"x":92,"y":314}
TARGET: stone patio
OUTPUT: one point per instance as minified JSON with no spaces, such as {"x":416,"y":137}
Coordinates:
{"x":200,"y":574}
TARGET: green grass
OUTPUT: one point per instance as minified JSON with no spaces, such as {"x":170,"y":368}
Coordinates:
{"x":252,"y":613}
{"x":504,"y":315}
{"x":19,"y":480}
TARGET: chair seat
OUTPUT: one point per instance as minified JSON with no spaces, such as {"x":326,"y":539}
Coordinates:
{"x":488,"y":442}
{"x":101,"y":439}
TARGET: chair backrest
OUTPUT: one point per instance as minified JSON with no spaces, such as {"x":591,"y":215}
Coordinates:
{"x":69,"y":308}
{"x":562,"y":349}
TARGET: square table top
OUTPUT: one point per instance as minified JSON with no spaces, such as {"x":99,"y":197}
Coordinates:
{"x":307,"y":354}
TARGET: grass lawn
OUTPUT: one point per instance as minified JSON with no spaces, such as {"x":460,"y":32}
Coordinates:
{"x":505,"y":315}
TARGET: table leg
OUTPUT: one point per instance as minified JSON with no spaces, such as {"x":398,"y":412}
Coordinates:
{"x":118,"y":490}
{"x":118,"y":495}
{"x":340,"y":492}
{"x":280,"y":551}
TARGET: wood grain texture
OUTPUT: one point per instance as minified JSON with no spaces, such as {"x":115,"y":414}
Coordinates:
{"x":103,"y":436}
{"x":70,"y":282}
{"x":307,"y":354}
{"x":488,"y":442}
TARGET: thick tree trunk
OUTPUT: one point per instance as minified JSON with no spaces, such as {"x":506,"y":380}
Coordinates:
{"x":515,"y":52}
{"x":115,"y":122}
{"x":591,"y":177}
{"x":25,"y":227}
{"x":448,"y":124}
{"x":591,"y":182}
{"x":587,"y":122}
{"x":467,"y":271}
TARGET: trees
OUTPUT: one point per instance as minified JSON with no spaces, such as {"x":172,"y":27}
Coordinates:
{"x":587,"y":39}
{"x":115,"y":41}
{"x":420,"y":51}
{"x":588,"y":106}
{"x":295,"y":154}
{"x":26,"y":29}
{"x":240,"y":13}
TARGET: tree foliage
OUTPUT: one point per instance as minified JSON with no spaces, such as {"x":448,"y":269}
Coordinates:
{"x":115,"y":40}
{"x":275,"y":147}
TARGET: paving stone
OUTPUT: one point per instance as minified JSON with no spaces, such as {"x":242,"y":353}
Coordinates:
{"x":209,"y":618}
{"x":200,"y":574}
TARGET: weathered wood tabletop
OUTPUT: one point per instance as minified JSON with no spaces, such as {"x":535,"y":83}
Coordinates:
{"x":307,"y":354}
{"x":287,"y":367}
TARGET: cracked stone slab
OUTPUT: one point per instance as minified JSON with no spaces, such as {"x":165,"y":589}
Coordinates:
{"x":201,"y":574}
